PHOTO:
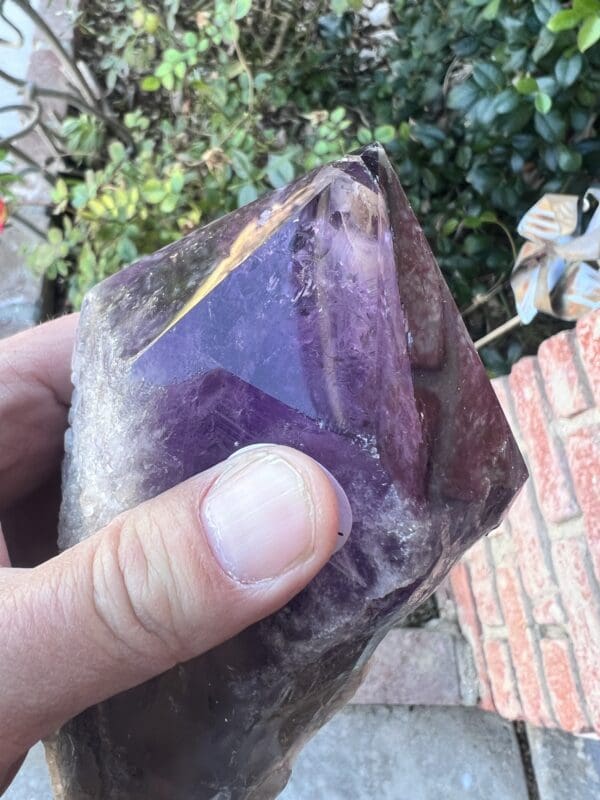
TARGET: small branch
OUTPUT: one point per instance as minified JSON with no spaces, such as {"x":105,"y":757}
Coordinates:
{"x":498,"y":332}
{"x":248,"y":71}
{"x":483,"y":299}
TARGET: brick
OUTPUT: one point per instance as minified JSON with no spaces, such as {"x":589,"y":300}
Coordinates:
{"x":588,"y":336}
{"x":524,"y":656}
{"x":546,"y":459}
{"x":502,"y":678}
{"x":583,"y":448}
{"x":469,"y":623}
{"x":565,"y":385}
{"x":502,"y":389}
{"x":482,"y":584}
{"x":579,"y":594}
{"x":562,"y":685}
{"x":532,"y":548}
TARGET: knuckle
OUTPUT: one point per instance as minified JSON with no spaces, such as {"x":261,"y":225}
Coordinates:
{"x":136,"y":590}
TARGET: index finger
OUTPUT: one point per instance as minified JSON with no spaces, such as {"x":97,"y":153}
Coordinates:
{"x":35,"y":394}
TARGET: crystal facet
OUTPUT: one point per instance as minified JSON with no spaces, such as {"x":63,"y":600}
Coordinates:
{"x":315,"y":317}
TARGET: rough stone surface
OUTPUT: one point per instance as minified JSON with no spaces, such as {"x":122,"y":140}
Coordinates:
{"x":566,"y":767}
{"x":317,"y":318}
{"x":397,"y":754}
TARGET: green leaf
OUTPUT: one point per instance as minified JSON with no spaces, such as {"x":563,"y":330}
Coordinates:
{"x":321,"y":147}
{"x":153,"y":191}
{"x":190,"y":39}
{"x":564,"y":20}
{"x":568,"y":160}
{"x":543,"y":102}
{"x":279,"y":171}
{"x":385,"y":133}
{"x":60,"y":192}
{"x":55,"y":236}
{"x":463,"y":96}
{"x":150,"y":84}
{"x":551,"y":127}
{"x":449,"y":226}
{"x":488,"y":76}
{"x":242,"y":166}
{"x":241,"y":8}
{"x":490,"y":12}
{"x":172,"y":56}
{"x":589,"y":33}
{"x":165,"y":68}
{"x":526,"y":85}
{"x":567,"y":70}
{"x":586,"y":7}
{"x":126,"y":250}
{"x":177,"y":181}
{"x":180,"y":70}
{"x":337,"y":115}
{"x":168,"y":82}
{"x":168,"y":204}
{"x":364,"y":136}
{"x":116,"y":151}
{"x":230,"y":32}
{"x":545,"y":43}
{"x":246,"y":194}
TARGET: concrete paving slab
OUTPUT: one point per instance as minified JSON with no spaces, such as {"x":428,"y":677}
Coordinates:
{"x":413,"y":666}
{"x":565,"y":766}
{"x":33,"y":780}
{"x":393,"y":753}
{"x":388,"y":753}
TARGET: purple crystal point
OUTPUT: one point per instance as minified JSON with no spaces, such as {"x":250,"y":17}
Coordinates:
{"x":315,"y":317}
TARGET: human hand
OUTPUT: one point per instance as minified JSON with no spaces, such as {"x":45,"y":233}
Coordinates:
{"x":160,"y":584}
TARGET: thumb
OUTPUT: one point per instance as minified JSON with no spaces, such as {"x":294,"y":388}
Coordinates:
{"x":162,"y":583}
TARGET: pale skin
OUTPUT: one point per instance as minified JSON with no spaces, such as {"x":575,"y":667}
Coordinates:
{"x":143,"y":594}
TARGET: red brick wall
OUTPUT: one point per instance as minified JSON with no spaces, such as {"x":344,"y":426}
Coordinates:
{"x":528,"y":596}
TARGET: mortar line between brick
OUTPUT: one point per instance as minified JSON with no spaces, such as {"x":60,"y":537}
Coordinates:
{"x":494,"y":632}
{"x":474,"y":644}
{"x":489,"y":560}
{"x":513,"y":676}
{"x":553,"y":433}
{"x":566,"y":426}
{"x":535,"y":639}
{"x":546,"y":546}
{"x":512,"y":413}
{"x":581,"y":368}
{"x":589,"y":568}
{"x":577,"y":678}
{"x":570,"y":529}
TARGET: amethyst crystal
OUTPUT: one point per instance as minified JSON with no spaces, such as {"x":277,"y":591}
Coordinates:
{"x":315,"y":317}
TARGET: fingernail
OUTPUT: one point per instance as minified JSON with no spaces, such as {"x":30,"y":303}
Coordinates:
{"x":259,"y":517}
{"x":345,"y":518}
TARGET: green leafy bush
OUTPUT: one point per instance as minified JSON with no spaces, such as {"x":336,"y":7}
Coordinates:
{"x":482,"y":105}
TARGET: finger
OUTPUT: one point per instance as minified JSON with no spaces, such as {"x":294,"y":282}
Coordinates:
{"x":35,"y":391}
{"x":163,"y":583}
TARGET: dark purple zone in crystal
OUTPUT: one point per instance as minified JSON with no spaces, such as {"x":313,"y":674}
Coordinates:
{"x":337,"y":336}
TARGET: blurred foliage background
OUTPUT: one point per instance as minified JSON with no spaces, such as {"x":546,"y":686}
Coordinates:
{"x":482,"y":105}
